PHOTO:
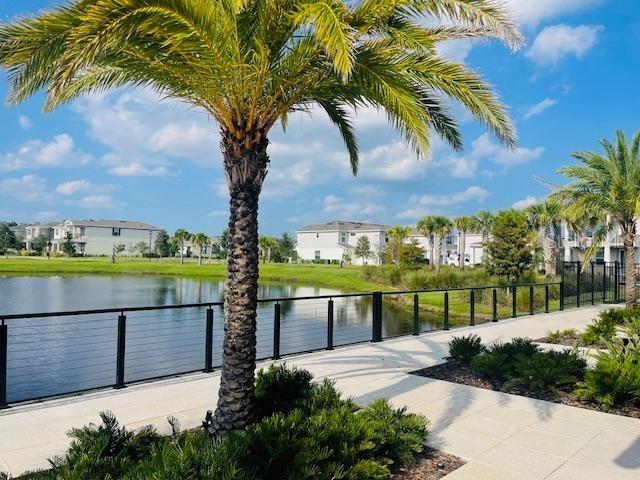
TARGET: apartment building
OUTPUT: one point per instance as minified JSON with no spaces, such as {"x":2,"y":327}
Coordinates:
{"x":33,"y":232}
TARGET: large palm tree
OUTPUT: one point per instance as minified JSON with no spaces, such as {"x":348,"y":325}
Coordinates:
{"x":607,"y":186}
{"x":181,"y":236}
{"x":464,"y":225}
{"x":249,"y":64}
{"x":200,"y":240}
{"x":545,"y":220}
{"x":484,"y":224}
{"x":442,"y":227}
{"x":425,"y":226}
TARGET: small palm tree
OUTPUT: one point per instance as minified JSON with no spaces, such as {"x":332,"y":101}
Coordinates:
{"x":426,"y":227}
{"x":464,"y":225}
{"x":442,"y":227}
{"x":181,"y":236}
{"x":607,"y":186}
{"x":484,"y":224}
{"x":200,"y":240}
{"x":399,"y":235}
{"x":545,"y":220}
{"x":249,"y":65}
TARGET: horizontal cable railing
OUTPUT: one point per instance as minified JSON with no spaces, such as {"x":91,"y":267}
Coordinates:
{"x":59,"y":353}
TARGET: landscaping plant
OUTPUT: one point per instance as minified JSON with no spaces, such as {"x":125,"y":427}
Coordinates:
{"x":464,"y":349}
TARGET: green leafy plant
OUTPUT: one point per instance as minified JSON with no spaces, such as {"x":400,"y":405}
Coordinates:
{"x":493,"y":365}
{"x":546,"y":370}
{"x":602,"y":329}
{"x":560,"y":335}
{"x":281,"y":389}
{"x":464,"y":349}
{"x":517,"y":346}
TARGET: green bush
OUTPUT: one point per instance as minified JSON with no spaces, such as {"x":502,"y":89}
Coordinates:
{"x":602,"y":329}
{"x":493,"y":365}
{"x":281,"y":389}
{"x":517,"y":346}
{"x":560,"y":335}
{"x":464,"y":349}
{"x":615,"y":380}
{"x":546,"y":370}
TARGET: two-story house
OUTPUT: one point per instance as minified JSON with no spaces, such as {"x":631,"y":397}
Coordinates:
{"x":36,"y":230}
{"x":337,"y":240}
{"x":100,"y":237}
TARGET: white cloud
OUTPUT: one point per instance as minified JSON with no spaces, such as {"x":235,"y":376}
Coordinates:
{"x":73,"y":186}
{"x":219,"y":213}
{"x":525,"y":202}
{"x":532,"y":12}
{"x":139,"y":170}
{"x":25,"y":122}
{"x":340,"y":208}
{"x":61,"y":151}
{"x":98,"y":201}
{"x":392,"y":161}
{"x":456,"y":50}
{"x":558,"y":41}
{"x":473,"y":193}
{"x":28,"y":188}
{"x":47,"y":215}
{"x":539,"y":108}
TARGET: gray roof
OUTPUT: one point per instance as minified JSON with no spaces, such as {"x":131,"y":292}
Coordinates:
{"x":114,"y":224}
{"x":44,"y":225}
{"x":336,"y":225}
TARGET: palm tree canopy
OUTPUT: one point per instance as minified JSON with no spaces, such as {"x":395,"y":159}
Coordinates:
{"x":442,"y":226}
{"x":399,"y":232}
{"x":181,"y":234}
{"x":546,"y":216}
{"x":484,"y":221}
{"x":251,"y":63}
{"x":425,"y":226}
{"x":200,"y":239}
{"x":465,"y":223}
{"x":605,"y":186}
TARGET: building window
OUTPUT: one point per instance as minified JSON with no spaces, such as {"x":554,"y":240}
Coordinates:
{"x":317,"y":255}
{"x":115,"y":232}
{"x":343,"y":237}
{"x":353,"y":234}
{"x":317,"y":235}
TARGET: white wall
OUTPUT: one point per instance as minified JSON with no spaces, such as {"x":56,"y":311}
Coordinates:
{"x":328,"y":244}
{"x":100,"y":240}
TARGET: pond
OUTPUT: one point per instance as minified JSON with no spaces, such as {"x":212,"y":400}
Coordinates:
{"x":51,"y":356}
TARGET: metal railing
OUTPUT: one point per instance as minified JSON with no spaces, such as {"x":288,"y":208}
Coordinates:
{"x":49,"y":354}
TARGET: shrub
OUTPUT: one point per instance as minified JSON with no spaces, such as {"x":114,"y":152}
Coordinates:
{"x":494,"y":365}
{"x":393,"y":274}
{"x":615,"y":379}
{"x":464,"y":349}
{"x":545,"y":370}
{"x":281,"y":389}
{"x":517,"y":346}
{"x":559,"y":335}
{"x":418,"y":280}
{"x":602,"y":329}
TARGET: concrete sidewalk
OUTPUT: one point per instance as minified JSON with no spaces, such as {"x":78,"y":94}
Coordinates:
{"x":501,"y":436}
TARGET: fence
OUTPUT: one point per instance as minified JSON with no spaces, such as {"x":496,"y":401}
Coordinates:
{"x":595,"y":282}
{"x":49,"y":354}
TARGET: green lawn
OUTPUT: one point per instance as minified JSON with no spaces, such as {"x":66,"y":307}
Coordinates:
{"x":331,"y":276}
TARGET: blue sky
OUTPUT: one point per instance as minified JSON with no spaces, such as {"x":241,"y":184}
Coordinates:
{"x":127,"y":155}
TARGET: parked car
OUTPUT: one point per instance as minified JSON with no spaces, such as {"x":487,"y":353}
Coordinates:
{"x":453,"y":260}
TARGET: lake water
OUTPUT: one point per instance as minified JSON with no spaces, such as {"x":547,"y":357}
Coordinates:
{"x":49,"y":356}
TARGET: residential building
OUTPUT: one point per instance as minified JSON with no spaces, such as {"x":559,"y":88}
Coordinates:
{"x":39,"y":230}
{"x":100,"y":237}
{"x":336,"y":241}
{"x":20,"y":231}
{"x":575,"y":244}
{"x":451,"y":245}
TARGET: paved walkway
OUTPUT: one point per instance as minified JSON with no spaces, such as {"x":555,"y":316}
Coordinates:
{"x":501,"y":436}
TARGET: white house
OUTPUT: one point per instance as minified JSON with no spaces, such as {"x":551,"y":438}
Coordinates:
{"x":100,"y":237}
{"x":337,"y":240}
{"x":32,"y":232}
{"x":611,"y":250}
{"x":451,"y":245}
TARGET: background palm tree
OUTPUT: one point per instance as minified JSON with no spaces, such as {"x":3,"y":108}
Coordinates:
{"x":200,"y":240}
{"x":249,"y":65}
{"x":607,"y":186}
{"x":464,"y":225}
{"x":399,"y":235}
{"x":442,"y":227}
{"x":545,"y":220}
{"x":426,"y":227}
{"x":484,"y":224}
{"x":181,"y":236}
{"x":581,"y":229}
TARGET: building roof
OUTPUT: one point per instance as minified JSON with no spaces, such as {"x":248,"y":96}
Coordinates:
{"x":336,"y":225}
{"x":112,"y":224}
{"x":44,"y":225}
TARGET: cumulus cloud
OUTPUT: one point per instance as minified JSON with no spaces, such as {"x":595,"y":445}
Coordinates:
{"x":139,"y":170}
{"x":61,"y":151}
{"x":532,"y":12}
{"x":73,"y":186}
{"x":339,"y":207}
{"x":25,"y":122}
{"x":28,"y":188}
{"x":98,"y":201}
{"x":539,"y":108}
{"x":525,"y":202}
{"x":47,"y":215}
{"x":559,"y":41}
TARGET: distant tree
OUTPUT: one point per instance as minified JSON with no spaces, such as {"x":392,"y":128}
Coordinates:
{"x":40,"y":244}
{"x":8,"y":240}
{"x":545,"y":220}
{"x":484,"y":224}
{"x":266,"y":246}
{"x":181,"y":236}
{"x":442,"y":227}
{"x":141,"y":248}
{"x":509,"y":250}
{"x":200,"y":240}
{"x":287,"y":248}
{"x":426,"y":226}
{"x":68,"y":247}
{"x":116,"y":250}
{"x":398,"y":234}
{"x":221,"y":247}
{"x":464,"y":225}
{"x":363,"y":249}
{"x":161,"y":246}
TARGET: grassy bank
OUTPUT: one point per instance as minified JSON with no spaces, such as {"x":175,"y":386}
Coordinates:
{"x":330,"y":276}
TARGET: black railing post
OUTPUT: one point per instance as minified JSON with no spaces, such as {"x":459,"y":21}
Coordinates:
{"x":561,"y":295}
{"x":276,"y":331}
{"x":616,"y":283}
{"x":546,"y":299}
{"x":416,"y":315}
{"x":446,"y":311}
{"x":593,"y":284}
{"x":122,"y":339}
{"x":472,"y":308}
{"x":4,"y":336}
{"x":494,"y":305}
{"x":514,"y":301}
{"x":578,"y":273}
{"x":531,"y":307}
{"x":208,"y":343}
{"x":330,"y":325}
{"x":376,"y":335}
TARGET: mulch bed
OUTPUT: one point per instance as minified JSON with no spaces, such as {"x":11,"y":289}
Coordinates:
{"x":430,"y":465}
{"x":569,"y":342}
{"x":456,"y":373}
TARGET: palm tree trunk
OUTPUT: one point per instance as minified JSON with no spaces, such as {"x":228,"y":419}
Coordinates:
{"x":438,"y":252}
{"x":630,"y":269}
{"x":245,"y":168}
{"x":181,"y":252}
{"x":200,"y":257}
{"x":549,"y":251}
{"x":432,"y":241}
{"x":463,"y":248}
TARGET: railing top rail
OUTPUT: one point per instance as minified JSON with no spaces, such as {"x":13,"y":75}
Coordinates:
{"x":18,"y":316}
